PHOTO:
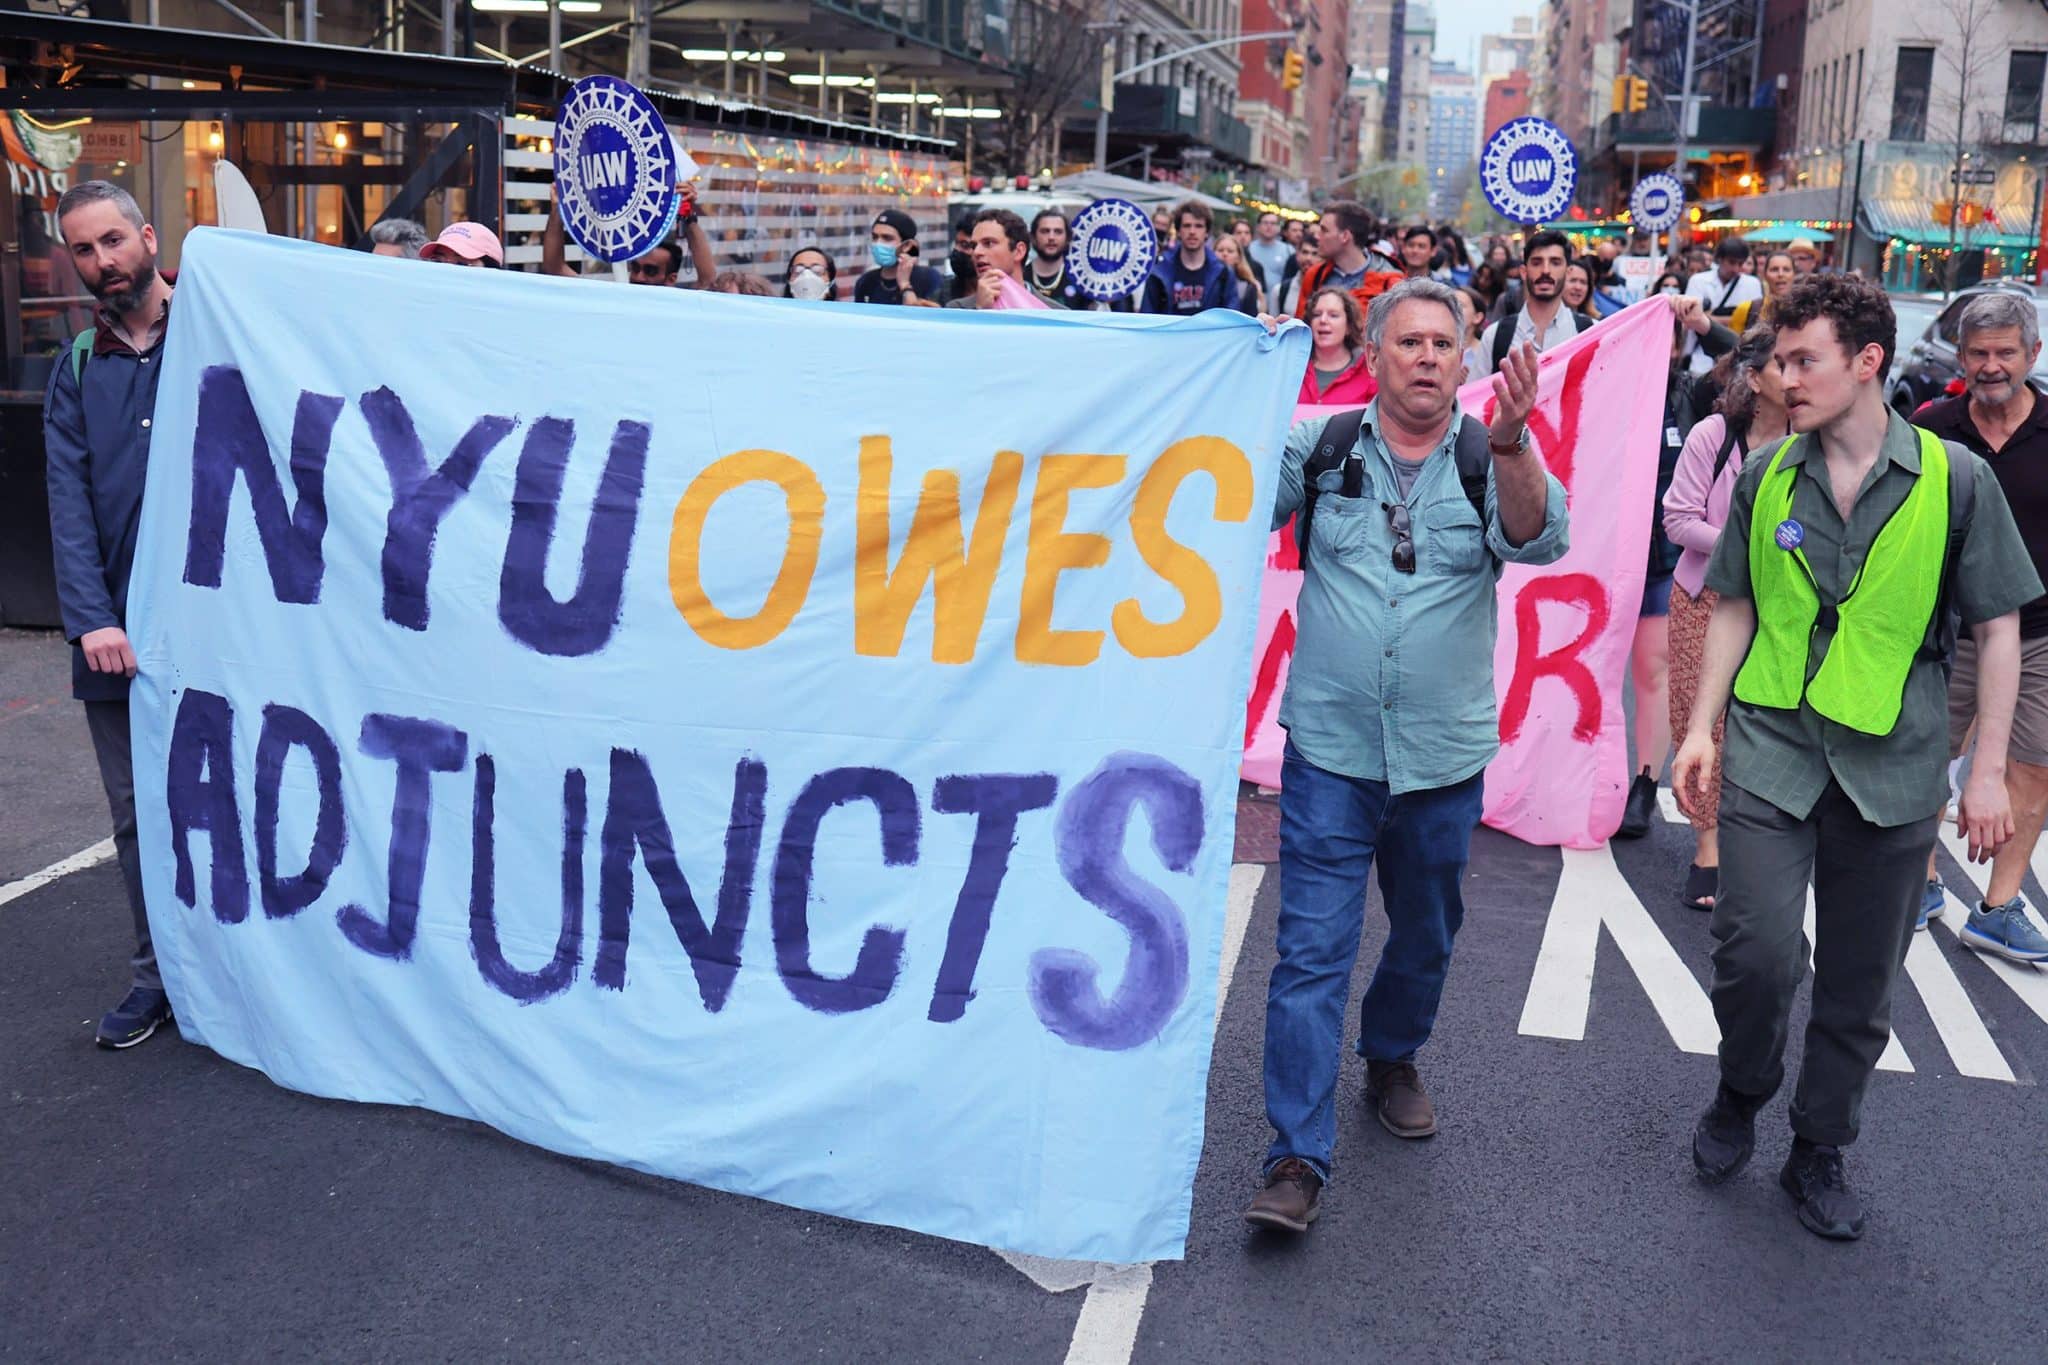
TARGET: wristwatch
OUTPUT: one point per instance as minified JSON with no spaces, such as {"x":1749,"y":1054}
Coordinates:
{"x":1520,"y":447}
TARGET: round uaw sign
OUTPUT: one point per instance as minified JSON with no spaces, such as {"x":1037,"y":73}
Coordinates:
{"x":615,"y":170}
{"x":1528,"y":170}
{"x":1657,"y":202}
{"x":1110,"y":249}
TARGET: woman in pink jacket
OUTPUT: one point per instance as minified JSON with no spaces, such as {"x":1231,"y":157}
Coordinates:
{"x":1750,"y":416}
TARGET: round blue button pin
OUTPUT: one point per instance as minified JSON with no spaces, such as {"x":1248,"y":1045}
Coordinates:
{"x":1790,"y":534}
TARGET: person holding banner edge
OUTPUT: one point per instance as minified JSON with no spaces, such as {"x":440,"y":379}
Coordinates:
{"x":1844,"y":550}
{"x":97,"y":416}
{"x":1408,"y":511}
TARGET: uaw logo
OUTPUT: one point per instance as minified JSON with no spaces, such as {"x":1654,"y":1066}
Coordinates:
{"x":615,"y":170}
{"x":1110,"y":249}
{"x":1528,"y":170}
{"x":1657,"y":202}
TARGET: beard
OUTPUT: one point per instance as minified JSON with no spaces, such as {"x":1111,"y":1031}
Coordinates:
{"x":127,"y":295}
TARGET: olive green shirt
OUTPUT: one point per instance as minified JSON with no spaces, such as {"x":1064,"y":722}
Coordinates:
{"x":1788,"y":757}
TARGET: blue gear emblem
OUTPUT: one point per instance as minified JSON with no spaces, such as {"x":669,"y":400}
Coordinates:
{"x":615,"y":170}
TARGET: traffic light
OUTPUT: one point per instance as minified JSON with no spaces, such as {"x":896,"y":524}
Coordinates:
{"x":1291,"y":70}
{"x":1631,"y":94}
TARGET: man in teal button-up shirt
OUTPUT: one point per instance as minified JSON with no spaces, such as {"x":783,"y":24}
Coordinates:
{"x":1391,"y":722}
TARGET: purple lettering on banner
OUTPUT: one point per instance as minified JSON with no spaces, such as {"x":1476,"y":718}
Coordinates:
{"x":528,"y":611}
{"x":199,"y":790}
{"x":283,"y":729}
{"x":228,"y":439}
{"x":633,"y":820}
{"x":420,"y":497}
{"x":525,"y":987}
{"x":1089,"y":832}
{"x":881,"y":950}
{"x":997,"y":799}
{"x":420,"y":748}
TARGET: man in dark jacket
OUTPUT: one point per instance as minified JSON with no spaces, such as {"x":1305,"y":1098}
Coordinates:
{"x":1192,"y":279}
{"x":96,"y":429}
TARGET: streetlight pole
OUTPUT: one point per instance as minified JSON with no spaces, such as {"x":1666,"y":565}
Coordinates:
{"x":1110,"y":77}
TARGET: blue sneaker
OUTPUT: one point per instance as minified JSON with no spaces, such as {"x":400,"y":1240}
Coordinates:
{"x":134,"y":1019}
{"x":2005,"y":930}
{"x":1932,"y":902}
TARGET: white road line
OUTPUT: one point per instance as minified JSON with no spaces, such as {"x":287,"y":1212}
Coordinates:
{"x":2030,"y":984}
{"x":64,"y":867}
{"x":1894,"y":1057}
{"x":1107,"y":1330}
{"x":1591,"y":892}
{"x":1962,"y":1029}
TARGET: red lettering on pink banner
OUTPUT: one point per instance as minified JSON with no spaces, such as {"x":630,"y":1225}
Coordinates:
{"x":1533,"y":663}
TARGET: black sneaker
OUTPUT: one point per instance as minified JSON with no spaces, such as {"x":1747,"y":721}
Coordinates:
{"x":134,"y":1019}
{"x":1641,"y":807}
{"x":1725,"y":1138}
{"x":1814,"y":1177}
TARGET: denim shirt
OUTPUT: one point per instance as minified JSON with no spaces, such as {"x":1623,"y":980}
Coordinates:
{"x":1392,"y":677}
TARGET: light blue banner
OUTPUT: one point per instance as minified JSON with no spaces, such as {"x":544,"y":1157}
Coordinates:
{"x":787,"y":747}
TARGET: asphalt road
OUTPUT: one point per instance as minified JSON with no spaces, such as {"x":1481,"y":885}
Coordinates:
{"x":166,"y":1202}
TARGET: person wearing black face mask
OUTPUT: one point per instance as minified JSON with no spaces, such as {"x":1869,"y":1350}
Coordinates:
{"x":965,"y":276}
{"x":896,"y":277}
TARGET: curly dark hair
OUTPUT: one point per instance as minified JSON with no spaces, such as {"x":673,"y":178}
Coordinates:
{"x":1859,"y":309}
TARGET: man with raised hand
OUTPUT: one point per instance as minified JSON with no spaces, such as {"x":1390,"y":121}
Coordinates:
{"x":1407,"y":512}
{"x":97,"y":416}
{"x":1846,"y":548}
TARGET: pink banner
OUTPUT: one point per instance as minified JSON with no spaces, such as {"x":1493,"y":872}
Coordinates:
{"x":1565,"y":628}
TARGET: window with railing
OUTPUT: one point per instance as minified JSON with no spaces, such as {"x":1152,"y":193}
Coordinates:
{"x":2023,"y":80}
{"x":1915,"y":76}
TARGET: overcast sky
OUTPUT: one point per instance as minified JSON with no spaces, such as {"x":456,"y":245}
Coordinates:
{"x":1460,"y":22}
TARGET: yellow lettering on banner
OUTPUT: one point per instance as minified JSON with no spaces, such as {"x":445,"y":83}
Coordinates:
{"x":1180,"y":566}
{"x":962,"y":575}
{"x":805,"y":498}
{"x":1052,"y":550}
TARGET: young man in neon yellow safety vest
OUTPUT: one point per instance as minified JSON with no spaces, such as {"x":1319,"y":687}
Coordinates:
{"x":1844,"y":551}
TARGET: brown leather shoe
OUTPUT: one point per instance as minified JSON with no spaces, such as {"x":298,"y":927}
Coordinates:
{"x":1395,"y":1092}
{"x":1288,"y":1203}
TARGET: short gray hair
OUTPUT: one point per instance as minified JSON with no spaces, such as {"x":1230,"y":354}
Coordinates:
{"x":1996,"y":309}
{"x":402,"y":233}
{"x":100,"y":192}
{"x":1421,"y":287}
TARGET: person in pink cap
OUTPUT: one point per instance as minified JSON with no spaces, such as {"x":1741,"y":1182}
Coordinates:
{"x":466,"y":244}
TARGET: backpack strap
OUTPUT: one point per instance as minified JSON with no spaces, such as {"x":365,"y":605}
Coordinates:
{"x":1333,"y":448}
{"x":1474,"y":454}
{"x":1962,"y":507}
{"x":1582,"y":322}
{"x":1728,"y":443}
{"x":81,"y":347}
{"x":1503,"y":338}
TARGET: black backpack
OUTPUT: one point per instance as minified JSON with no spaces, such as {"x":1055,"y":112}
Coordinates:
{"x":1340,"y":434}
{"x":1504,"y":334}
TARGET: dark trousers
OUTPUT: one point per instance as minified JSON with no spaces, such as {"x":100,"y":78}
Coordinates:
{"x":1333,"y":829}
{"x":108,"y":722}
{"x":1866,"y":889}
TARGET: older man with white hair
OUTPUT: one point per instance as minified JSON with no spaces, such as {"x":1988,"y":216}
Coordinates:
{"x":1407,"y":512}
{"x":2004,"y":417}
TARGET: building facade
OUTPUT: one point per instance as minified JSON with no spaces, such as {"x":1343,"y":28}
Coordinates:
{"x":1453,"y":143}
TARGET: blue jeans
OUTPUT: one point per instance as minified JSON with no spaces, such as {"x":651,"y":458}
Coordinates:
{"x":1331,"y":827}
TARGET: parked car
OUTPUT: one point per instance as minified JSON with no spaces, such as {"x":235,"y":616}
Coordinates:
{"x":1925,"y":368}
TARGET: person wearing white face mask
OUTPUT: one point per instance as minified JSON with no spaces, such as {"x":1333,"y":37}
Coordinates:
{"x":897,"y":277}
{"x":811,"y":275}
